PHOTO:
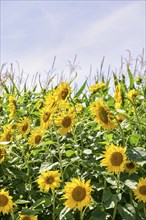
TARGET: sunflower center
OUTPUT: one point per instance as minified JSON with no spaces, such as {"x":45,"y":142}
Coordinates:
{"x":3,"y":200}
{"x":64,"y":93}
{"x":103,"y":115}
{"x":25,"y":127}
{"x":116,"y":158}
{"x":66,"y":122}
{"x":8,"y":136}
{"x":49,"y":179}
{"x":142,"y":190}
{"x":38,"y":139}
{"x":130,"y":165}
{"x":78,"y":193}
{"x":46,"y":116}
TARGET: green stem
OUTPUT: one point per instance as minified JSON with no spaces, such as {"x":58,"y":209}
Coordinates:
{"x":118,"y":190}
{"x":81,"y":215}
{"x":121,"y":130}
{"x":131,"y":199}
{"x":12,"y":215}
{"x":53,"y":212}
{"x":139,"y":127}
{"x":77,"y":148}
{"x":60,"y":158}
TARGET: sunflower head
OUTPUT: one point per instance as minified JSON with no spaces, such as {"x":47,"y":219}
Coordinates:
{"x":49,"y":180}
{"x":140,"y":191}
{"x":35,"y":137}
{"x":130,"y":166}
{"x":132,"y":94}
{"x":28,"y":217}
{"x":102,"y":115}
{"x":46,"y":117}
{"x":114,"y":158}
{"x":65,"y":121}
{"x":63,"y":91}
{"x":77,"y":194}
{"x":118,"y":96}
{"x":94,"y":88}
{"x":24,"y":126}
{"x":6,"y":203}
{"x":7,"y":134}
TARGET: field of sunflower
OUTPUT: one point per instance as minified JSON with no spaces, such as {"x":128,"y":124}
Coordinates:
{"x":66,"y":156}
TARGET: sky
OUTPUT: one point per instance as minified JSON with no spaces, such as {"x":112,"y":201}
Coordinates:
{"x":34,"y":32}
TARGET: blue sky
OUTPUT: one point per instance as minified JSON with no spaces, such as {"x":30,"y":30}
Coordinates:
{"x":33,"y":32}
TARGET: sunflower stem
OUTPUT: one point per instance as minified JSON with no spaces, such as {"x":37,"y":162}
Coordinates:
{"x":60,"y":158}
{"x":121,"y":130}
{"x":77,"y":152}
{"x":118,"y":190}
{"x":12,"y":215}
{"x":81,"y":215}
{"x":131,"y":199}
{"x":53,"y":213}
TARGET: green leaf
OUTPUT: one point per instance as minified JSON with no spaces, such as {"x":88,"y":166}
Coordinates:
{"x":21,"y":201}
{"x":127,"y":212}
{"x":29,"y":212}
{"x":131,"y":183}
{"x":81,"y":89}
{"x":87,"y":151}
{"x":134,"y":139}
{"x":63,"y":213}
{"x":69,"y":153}
{"x":99,"y":213}
{"x":131,"y":79}
{"x":110,"y":200}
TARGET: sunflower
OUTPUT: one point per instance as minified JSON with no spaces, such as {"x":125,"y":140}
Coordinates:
{"x":63,"y":91}
{"x":118,"y":96}
{"x":49,"y":180}
{"x":28,"y":217}
{"x":120,"y":117}
{"x":96,"y":87}
{"x":6,"y":203}
{"x":24,"y":126}
{"x":77,"y":194}
{"x":102,"y":114}
{"x":7,"y":134}
{"x":12,"y":106}
{"x":114,"y":158}
{"x":2,"y":154}
{"x":51,"y":101}
{"x":46,"y":117}
{"x":132,"y":94}
{"x":35,"y":137}
{"x":130,"y":166}
{"x":140,"y":191}
{"x":65,"y":121}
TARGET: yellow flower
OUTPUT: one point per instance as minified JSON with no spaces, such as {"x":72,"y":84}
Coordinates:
{"x":96,"y":87}
{"x":78,"y":108}
{"x":35,"y":137}
{"x":39,"y":103}
{"x":28,"y":217}
{"x":65,"y":121}
{"x":2,"y":154}
{"x":6,"y":203}
{"x":118,"y":96}
{"x":140,"y":191}
{"x":132,"y":94}
{"x":114,"y":158}
{"x":51,"y":101}
{"x":77,"y":194}
{"x":63,"y":91}
{"x":49,"y":180}
{"x":7,"y":134}
{"x":24,"y":126}
{"x":12,"y":106}
{"x":130,"y":166}
{"x":102,"y":115}
{"x":46,"y":117}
